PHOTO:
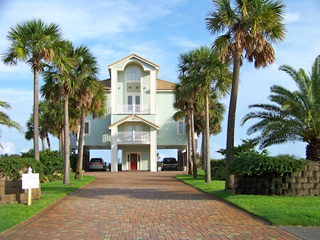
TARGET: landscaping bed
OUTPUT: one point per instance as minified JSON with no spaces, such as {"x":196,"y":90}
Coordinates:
{"x":279,"y":210}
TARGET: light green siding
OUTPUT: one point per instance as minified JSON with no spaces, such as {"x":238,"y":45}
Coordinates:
{"x":121,"y":88}
{"x":168,"y":132}
{"x":146,"y":88}
{"x":99,"y":132}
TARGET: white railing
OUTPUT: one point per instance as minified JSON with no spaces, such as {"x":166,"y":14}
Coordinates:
{"x":133,"y":108}
{"x":143,"y":137}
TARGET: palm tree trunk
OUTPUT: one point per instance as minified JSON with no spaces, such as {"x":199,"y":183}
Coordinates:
{"x":202,"y":153}
{"x":48,"y":141}
{"x":43,"y":143}
{"x":313,"y":150}
{"x":61,"y":142}
{"x":232,"y":117}
{"x":80,"y":144}
{"x":194,"y":152}
{"x":66,"y":179}
{"x":36,"y":114}
{"x":207,"y":139}
{"x":189,"y":146}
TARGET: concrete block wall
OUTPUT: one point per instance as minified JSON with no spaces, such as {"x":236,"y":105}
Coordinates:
{"x":305,"y":182}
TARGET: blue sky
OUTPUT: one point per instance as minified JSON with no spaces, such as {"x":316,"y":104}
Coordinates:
{"x":158,"y":31}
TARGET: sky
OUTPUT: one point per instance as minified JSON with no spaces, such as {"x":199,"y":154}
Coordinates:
{"x":158,"y":31}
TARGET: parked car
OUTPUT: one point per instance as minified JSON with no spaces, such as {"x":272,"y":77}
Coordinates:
{"x":97,"y":164}
{"x":169,"y":164}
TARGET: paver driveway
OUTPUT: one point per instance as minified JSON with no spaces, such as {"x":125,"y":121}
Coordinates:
{"x":142,"y":205}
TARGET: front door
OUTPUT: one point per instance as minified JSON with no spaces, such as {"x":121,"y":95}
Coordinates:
{"x":134,"y":161}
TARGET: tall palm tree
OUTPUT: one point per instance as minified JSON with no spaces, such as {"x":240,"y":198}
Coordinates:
{"x":188,"y":94}
{"x":294,"y":115}
{"x":211,"y":76}
{"x":6,"y":120}
{"x":90,"y":97}
{"x":33,"y":42}
{"x":248,"y":26}
{"x":61,"y":78}
{"x":181,"y":102}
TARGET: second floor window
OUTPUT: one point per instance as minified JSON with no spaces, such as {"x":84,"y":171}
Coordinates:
{"x":133,"y":74}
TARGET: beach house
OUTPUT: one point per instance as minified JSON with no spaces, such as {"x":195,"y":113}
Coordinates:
{"x":139,"y":119}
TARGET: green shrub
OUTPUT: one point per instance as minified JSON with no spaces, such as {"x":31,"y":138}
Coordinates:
{"x":257,"y":164}
{"x":52,"y":161}
{"x":73,"y":162}
{"x":218,"y":169}
{"x":15,"y":166}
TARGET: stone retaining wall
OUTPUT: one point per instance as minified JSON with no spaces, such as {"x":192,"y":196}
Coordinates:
{"x":305,"y":182}
{"x":11,"y":191}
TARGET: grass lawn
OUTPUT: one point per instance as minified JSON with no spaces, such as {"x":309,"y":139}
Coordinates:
{"x":304,"y":211}
{"x":13,"y":214}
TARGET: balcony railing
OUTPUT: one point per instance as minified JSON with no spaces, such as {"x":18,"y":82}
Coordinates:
{"x":133,"y":108}
{"x":134,"y":137}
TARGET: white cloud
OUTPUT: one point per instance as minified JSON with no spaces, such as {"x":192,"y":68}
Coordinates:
{"x":183,"y":42}
{"x":7,"y":148}
{"x":291,"y":17}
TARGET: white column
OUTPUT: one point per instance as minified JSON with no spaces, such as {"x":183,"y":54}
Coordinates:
{"x":114,"y":149}
{"x":153,"y":149}
{"x":153,"y":83}
{"x":114,"y":91}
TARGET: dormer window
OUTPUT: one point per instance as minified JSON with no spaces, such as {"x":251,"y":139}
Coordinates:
{"x":133,"y":74}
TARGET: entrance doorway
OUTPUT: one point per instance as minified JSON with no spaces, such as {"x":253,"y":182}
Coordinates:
{"x":134,"y":159}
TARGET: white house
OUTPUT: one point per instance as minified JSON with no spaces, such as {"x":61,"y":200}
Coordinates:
{"x":139,"y":117}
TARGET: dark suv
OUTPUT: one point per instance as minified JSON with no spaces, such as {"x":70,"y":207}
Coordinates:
{"x":169,"y":164}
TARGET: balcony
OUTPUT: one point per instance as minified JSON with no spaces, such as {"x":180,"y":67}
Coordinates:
{"x":133,"y":108}
{"x":134,"y":137}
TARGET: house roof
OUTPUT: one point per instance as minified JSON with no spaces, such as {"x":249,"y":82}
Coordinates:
{"x":134,"y":117}
{"x":136,"y":56}
{"x":165,"y":85}
{"x":161,"y":84}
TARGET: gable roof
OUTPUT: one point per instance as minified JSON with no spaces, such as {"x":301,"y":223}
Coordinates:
{"x":134,"y":117}
{"x":135,"y":56}
{"x":161,"y":84}
{"x":165,"y":85}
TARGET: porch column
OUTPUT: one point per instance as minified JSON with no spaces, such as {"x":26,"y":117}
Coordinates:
{"x":153,"y":149}
{"x":114,"y":149}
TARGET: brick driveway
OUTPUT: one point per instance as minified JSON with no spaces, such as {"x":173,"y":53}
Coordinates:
{"x":142,"y":205}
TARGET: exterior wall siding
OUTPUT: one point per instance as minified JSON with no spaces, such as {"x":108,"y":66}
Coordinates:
{"x":168,"y":132}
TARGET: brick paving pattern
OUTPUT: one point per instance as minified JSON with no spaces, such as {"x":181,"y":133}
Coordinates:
{"x":142,"y":205}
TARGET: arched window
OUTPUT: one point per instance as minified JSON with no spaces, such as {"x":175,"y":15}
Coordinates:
{"x":133,"y":73}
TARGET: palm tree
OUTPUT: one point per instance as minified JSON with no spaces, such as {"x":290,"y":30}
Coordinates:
{"x":61,"y":80}
{"x":45,"y":124}
{"x":216,"y":111}
{"x":6,"y":120}
{"x":182,"y":104}
{"x":246,"y":26}
{"x":33,"y":42}
{"x":210,"y":76}
{"x":294,"y":116}
{"x":188,"y":94}
{"x":90,"y":97}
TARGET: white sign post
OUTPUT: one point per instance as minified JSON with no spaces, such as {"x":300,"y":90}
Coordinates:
{"x":30,"y":180}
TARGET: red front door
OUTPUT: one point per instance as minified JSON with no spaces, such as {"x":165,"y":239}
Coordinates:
{"x":133,"y":159}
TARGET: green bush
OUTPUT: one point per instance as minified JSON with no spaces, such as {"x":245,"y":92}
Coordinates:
{"x":52,"y":161}
{"x":257,"y":164}
{"x":15,"y":166}
{"x":73,"y":162}
{"x":218,"y":169}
